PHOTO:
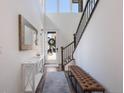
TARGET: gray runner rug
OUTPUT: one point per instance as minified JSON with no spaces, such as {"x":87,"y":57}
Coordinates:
{"x":56,"y":83}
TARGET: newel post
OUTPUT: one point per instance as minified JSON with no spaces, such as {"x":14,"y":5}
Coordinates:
{"x":74,"y":41}
{"x":62,"y":63}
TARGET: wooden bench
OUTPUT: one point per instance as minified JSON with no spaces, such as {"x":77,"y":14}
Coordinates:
{"x":84,"y":81}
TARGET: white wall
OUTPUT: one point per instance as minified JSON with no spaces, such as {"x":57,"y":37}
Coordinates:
{"x":100,"y":49}
{"x":65,"y":24}
{"x":10,"y":56}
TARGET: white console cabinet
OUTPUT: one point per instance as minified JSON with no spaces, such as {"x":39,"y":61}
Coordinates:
{"x":32,"y":72}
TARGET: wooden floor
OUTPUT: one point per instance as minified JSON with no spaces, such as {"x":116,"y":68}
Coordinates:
{"x":43,"y":80}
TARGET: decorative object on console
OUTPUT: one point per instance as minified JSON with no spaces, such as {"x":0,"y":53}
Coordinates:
{"x":28,"y":34}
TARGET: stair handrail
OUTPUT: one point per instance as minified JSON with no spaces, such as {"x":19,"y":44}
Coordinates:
{"x":67,"y":54}
{"x":85,"y":18}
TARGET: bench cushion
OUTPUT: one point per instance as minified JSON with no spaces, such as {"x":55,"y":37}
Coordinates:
{"x":86,"y":82}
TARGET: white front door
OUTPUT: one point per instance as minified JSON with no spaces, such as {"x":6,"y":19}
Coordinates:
{"x":52,"y":50}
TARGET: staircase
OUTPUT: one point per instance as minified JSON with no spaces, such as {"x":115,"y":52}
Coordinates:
{"x":68,"y":51}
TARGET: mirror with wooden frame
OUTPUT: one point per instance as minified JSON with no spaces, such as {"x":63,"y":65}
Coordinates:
{"x":27,"y":34}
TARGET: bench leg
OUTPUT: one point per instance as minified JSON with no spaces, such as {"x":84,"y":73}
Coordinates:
{"x":76,"y":86}
{"x":74,"y":83}
{"x":68,"y":72}
{"x":103,"y":91}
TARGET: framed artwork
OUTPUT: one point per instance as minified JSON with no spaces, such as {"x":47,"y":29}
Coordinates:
{"x":27,"y":34}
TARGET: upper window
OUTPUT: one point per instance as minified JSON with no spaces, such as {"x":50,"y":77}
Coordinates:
{"x":51,"y":6}
{"x":64,"y":6}
{"x":61,"y":6}
{"x":75,"y":8}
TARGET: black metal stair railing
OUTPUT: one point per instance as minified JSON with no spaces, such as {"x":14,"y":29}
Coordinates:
{"x":67,"y":54}
{"x":86,"y":16}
